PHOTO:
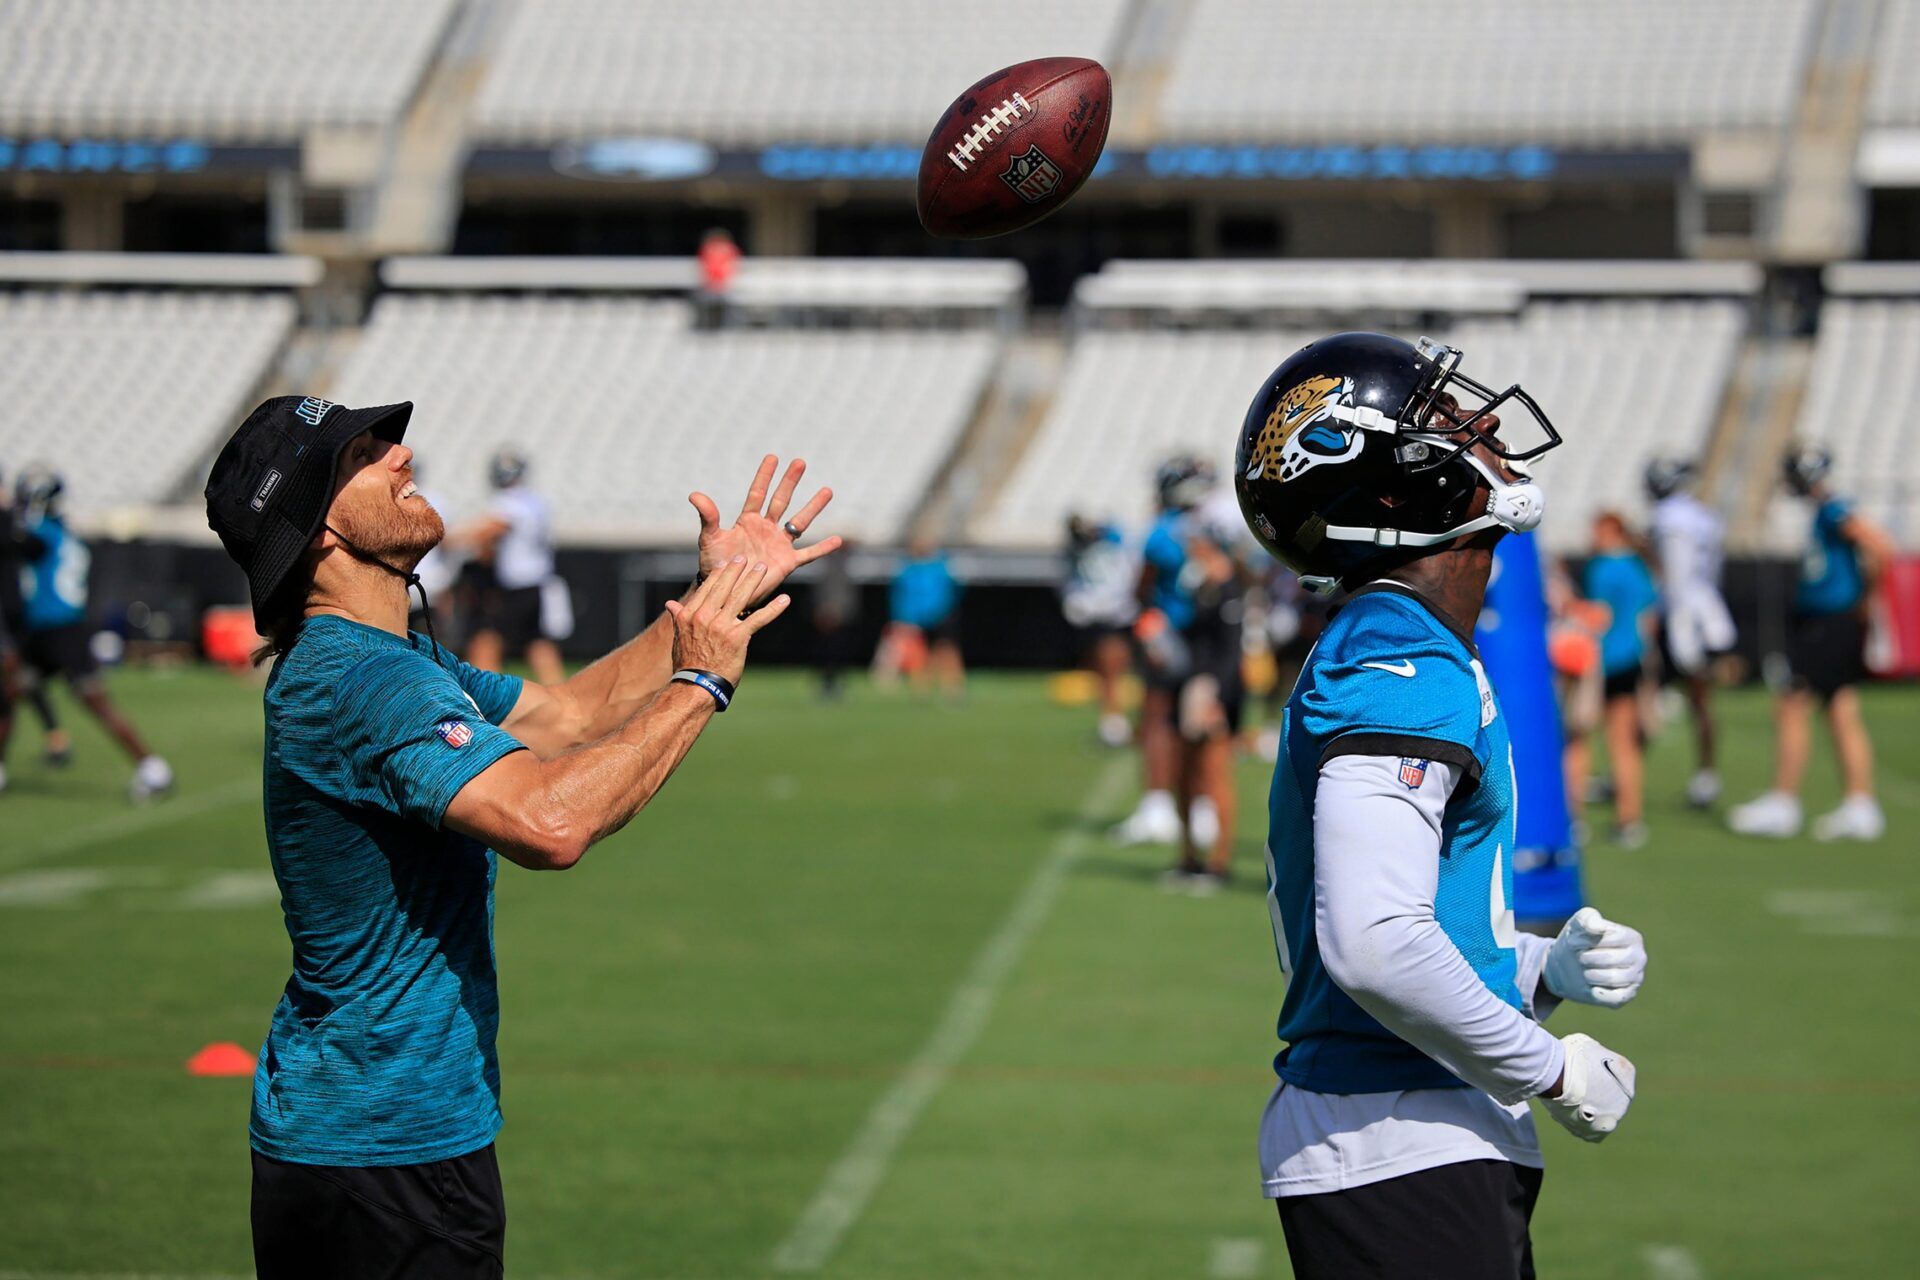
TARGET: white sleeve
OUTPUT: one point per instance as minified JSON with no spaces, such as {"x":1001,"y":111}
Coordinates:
{"x":1376,"y":865}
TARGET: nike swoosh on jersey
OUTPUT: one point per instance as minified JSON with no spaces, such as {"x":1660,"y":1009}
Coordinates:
{"x":1404,"y":668}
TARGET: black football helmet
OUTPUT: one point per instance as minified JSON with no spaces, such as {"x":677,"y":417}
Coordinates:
{"x":1804,"y":466}
{"x":507,"y":468}
{"x":1357,"y":449}
{"x":1667,"y":476}
{"x":1183,"y":482}
{"x":37,"y":491}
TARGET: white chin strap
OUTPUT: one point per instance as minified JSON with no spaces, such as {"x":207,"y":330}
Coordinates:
{"x":1517,"y":507}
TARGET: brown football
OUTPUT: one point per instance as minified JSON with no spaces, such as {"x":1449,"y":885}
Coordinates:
{"x":1014,"y":147}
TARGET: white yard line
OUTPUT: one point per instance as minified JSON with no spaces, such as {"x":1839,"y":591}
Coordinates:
{"x":1235,"y":1259}
{"x":851,"y":1182}
{"x":162,"y":813}
{"x":1672,"y":1262}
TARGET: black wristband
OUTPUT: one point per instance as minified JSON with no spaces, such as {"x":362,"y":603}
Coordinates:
{"x":719,"y":686}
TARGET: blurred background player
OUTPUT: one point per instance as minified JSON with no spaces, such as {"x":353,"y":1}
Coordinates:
{"x":1617,"y":578}
{"x":1165,"y":593}
{"x":53,"y":615}
{"x":1099,"y":602}
{"x":836,"y":620}
{"x":1826,"y":653}
{"x":1688,"y":541}
{"x":1208,"y":703}
{"x":515,"y":541}
{"x":922,"y":639}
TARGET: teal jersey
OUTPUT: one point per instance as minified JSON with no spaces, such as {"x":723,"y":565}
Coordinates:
{"x":53,"y":589}
{"x":1620,"y":580}
{"x":924,"y":593}
{"x":382,"y":1048}
{"x":1166,"y":551}
{"x":1831,"y":580}
{"x":1389,"y":678}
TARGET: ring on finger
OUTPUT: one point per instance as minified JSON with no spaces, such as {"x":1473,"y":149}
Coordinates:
{"x":793,"y":530}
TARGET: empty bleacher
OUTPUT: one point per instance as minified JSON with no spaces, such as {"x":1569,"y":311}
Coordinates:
{"x":1894,"y":97}
{"x":1863,"y":403}
{"x":1621,"y":377}
{"x":223,"y":70}
{"x":127,"y":393}
{"x":751,"y":71}
{"x":1631,"y":71}
{"x":626,"y":407}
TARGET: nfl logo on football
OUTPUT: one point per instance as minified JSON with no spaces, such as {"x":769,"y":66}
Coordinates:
{"x":1032,"y":176}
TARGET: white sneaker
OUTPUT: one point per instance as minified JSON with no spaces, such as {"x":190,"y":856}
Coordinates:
{"x":1703,"y":789}
{"x":1775,"y":814}
{"x":1857,"y":818}
{"x":3,"y":777}
{"x":1115,"y":731}
{"x":1204,"y":823}
{"x":1156,"y":821}
{"x":152,"y":778}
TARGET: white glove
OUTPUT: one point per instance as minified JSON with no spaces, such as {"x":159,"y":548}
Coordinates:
{"x":1596,"y":961}
{"x":1596,"y":1088}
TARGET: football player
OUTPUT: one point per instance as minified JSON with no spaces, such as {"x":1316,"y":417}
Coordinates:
{"x":1098,"y":602}
{"x":1398,"y":1141}
{"x":54,"y":638}
{"x":1826,"y":651}
{"x":515,"y":539}
{"x":1687,"y":541}
{"x":1167,"y":610}
{"x":1616,"y":578}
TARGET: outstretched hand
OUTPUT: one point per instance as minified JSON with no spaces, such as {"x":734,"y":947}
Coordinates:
{"x":760,"y":533}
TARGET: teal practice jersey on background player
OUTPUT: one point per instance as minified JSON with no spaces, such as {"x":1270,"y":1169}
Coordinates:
{"x":1389,"y":678}
{"x":1831,"y":580}
{"x":53,"y":588}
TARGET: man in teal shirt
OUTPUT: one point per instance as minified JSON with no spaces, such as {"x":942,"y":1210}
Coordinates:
{"x":393,"y":774}
{"x":1826,"y":652}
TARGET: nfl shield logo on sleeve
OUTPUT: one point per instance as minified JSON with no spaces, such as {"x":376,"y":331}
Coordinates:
{"x":1412,"y":772}
{"x":456,"y":734}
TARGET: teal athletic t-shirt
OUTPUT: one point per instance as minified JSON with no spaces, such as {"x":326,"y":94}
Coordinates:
{"x":382,"y":1047}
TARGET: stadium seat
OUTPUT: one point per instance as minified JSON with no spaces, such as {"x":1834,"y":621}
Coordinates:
{"x":128,"y":393}
{"x":1633,"y":71}
{"x":625,"y":407}
{"x":1867,"y":356}
{"x":754,"y":71}
{"x":1130,"y":398}
{"x":223,"y":70}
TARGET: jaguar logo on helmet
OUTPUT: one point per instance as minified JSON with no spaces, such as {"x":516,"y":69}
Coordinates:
{"x":1301,"y":433}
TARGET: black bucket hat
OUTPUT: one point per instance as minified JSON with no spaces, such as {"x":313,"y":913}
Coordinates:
{"x":271,"y":486}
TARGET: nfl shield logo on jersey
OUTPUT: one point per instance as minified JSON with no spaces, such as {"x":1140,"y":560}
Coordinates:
{"x":1032,"y":176}
{"x":456,"y":734}
{"x":1412,"y":772}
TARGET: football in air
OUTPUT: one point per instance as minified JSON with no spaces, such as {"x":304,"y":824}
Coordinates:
{"x":1014,"y":147}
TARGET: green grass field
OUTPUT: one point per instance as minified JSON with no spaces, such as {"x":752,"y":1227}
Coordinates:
{"x":883,"y":949}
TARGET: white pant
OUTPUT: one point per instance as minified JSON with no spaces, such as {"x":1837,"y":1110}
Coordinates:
{"x":1698,"y":626}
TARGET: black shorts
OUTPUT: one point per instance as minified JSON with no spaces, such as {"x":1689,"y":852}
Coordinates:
{"x":1827,"y":652}
{"x":60,"y":651}
{"x":1622,"y":684}
{"x":514,"y":614}
{"x":1465,"y":1221}
{"x":319,"y":1222}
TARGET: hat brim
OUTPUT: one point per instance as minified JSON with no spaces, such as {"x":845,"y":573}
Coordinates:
{"x":302,"y":509}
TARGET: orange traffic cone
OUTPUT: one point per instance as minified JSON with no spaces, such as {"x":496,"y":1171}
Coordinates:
{"x":221,"y":1058}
